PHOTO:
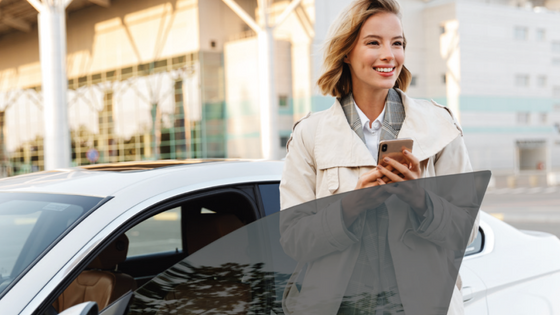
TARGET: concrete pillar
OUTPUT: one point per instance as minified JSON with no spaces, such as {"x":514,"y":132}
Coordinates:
{"x":270,"y":142}
{"x":52,"y":50}
{"x":268,"y":100}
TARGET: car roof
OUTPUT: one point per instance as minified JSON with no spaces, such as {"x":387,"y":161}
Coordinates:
{"x":110,"y":179}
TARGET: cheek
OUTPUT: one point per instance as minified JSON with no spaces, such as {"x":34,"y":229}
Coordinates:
{"x":399,"y":57}
{"x":364,"y":58}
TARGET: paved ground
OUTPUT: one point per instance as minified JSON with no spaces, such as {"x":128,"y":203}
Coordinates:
{"x":526,"y":208}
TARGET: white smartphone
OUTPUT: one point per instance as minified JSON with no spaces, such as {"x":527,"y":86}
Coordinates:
{"x":393,"y":149}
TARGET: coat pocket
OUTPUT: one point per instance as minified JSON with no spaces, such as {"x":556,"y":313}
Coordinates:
{"x":333,"y":181}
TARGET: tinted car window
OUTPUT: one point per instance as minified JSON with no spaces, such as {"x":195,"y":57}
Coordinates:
{"x":30,"y":223}
{"x":270,"y":195}
{"x":248,"y":270}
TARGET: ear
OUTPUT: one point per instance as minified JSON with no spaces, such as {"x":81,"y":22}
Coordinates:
{"x":346,"y":59}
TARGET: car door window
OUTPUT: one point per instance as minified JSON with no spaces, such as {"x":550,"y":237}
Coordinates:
{"x":158,"y":234}
{"x":477,"y":245}
{"x":270,"y":196}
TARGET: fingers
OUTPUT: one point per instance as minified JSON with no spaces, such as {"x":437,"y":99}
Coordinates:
{"x":390,"y":175}
{"x":370,"y":176}
{"x":409,"y":172}
{"x":372,"y":184}
{"x":412,"y":160}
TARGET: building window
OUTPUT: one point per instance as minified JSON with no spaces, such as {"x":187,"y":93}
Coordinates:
{"x":520,"y":33}
{"x":541,"y":34}
{"x":522,"y":80}
{"x":543,"y":118}
{"x":442,"y":29}
{"x":444,"y":78}
{"x":523,"y":118}
{"x":556,"y":46}
{"x":283,"y":100}
{"x":556,"y":91}
{"x":541,"y":80}
{"x":284,"y":141}
{"x":413,"y":80}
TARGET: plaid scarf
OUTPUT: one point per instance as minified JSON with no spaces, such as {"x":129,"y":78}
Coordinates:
{"x":392,"y":122}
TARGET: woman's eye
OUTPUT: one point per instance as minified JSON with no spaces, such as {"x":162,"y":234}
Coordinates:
{"x":373,"y":43}
{"x":398,"y":43}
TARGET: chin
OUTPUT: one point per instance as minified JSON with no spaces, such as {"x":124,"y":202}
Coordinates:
{"x":384,"y":86}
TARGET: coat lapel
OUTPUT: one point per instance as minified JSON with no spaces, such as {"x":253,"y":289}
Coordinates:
{"x":352,"y":116}
{"x":394,"y":116}
{"x":337,"y":144}
{"x":429,"y":125}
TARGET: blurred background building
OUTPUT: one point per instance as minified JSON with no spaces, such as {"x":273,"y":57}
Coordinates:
{"x":175,"y":79}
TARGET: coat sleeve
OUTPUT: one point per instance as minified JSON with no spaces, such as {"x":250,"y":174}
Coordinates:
{"x":451,"y":213}
{"x":307,"y":232}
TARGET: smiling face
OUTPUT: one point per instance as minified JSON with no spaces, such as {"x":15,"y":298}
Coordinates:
{"x":378,"y":56}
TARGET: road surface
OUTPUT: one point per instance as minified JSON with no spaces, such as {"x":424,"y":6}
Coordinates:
{"x":526,"y":208}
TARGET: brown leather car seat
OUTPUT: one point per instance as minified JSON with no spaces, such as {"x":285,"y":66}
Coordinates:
{"x":203,"y":229}
{"x":100,"y":282}
{"x":207,"y":293}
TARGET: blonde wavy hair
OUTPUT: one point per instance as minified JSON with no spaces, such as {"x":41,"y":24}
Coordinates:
{"x":343,"y":35}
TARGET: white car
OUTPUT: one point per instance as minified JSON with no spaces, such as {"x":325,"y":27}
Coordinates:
{"x":120,"y":237}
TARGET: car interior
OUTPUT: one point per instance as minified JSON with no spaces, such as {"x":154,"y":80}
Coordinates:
{"x":135,"y":257}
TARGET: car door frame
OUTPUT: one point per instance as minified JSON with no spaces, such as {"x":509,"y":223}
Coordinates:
{"x":40,"y":302}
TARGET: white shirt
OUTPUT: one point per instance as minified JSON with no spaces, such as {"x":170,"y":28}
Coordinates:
{"x":373,"y":134}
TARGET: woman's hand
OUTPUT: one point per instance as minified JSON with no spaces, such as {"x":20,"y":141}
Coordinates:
{"x":351,"y":208}
{"x":393,"y":168}
{"x":408,"y":192}
{"x":374,"y":178}
{"x":356,"y":202}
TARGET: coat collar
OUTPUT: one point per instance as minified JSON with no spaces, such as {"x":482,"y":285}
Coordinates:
{"x":338,"y":145}
{"x":392,"y":122}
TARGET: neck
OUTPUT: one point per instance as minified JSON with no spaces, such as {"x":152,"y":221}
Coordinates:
{"x":371,"y":103}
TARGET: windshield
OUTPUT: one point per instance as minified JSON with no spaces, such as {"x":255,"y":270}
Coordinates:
{"x":30,"y":223}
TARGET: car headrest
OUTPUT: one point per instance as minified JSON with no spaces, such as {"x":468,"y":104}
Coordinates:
{"x":206,"y":228}
{"x":111,"y":256}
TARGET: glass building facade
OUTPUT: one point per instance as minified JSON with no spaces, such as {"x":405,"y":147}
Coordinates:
{"x":171,"y":108}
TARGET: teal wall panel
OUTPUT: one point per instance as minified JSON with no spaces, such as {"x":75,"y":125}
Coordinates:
{"x":506,"y":104}
{"x":508,"y":129}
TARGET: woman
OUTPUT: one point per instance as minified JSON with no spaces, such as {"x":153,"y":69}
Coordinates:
{"x":335,"y":151}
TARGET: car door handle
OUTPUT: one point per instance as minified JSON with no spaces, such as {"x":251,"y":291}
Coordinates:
{"x":467,"y":294}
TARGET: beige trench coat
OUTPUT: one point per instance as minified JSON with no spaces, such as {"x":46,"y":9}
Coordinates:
{"x":326,"y":157}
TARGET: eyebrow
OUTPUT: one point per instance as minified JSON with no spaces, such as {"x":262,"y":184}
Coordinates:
{"x":379,"y":37}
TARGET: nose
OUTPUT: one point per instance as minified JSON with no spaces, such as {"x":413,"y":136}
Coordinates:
{"x":387,"y":53}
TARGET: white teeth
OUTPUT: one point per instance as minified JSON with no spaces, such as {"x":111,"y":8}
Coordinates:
{"x":384,"y":69}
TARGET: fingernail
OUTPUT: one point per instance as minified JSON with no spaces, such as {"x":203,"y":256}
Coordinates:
{"x":406,"y":152}
{"x":386,"y":159}
{"x":379,"y":166}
